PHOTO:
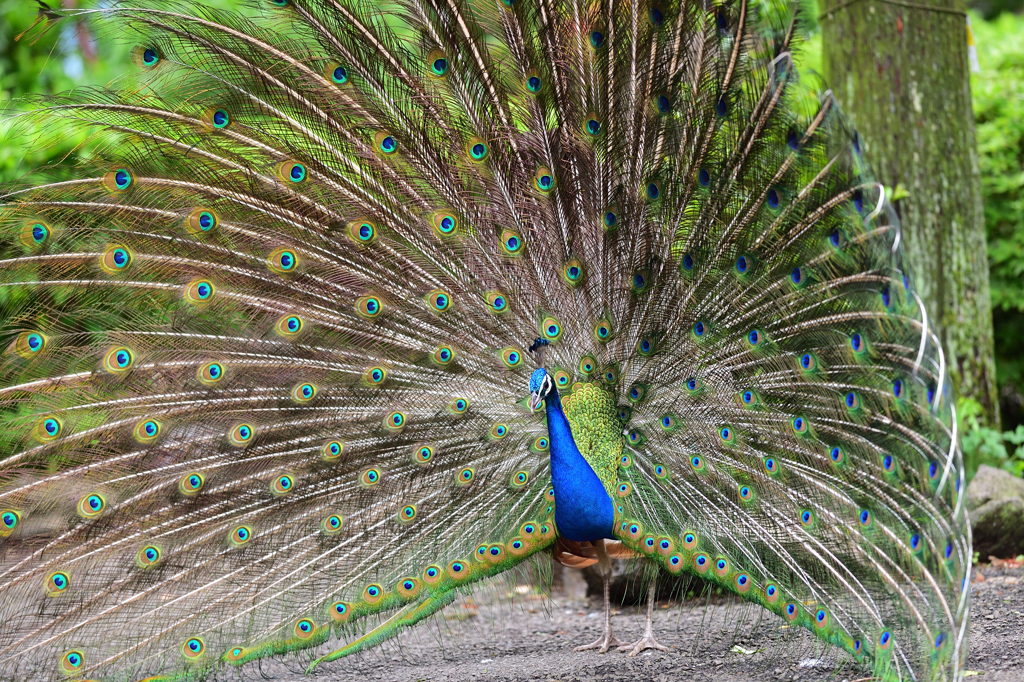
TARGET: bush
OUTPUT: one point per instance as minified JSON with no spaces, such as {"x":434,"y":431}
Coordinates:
{"x":982,"y":445}
{"x":999,"y":111}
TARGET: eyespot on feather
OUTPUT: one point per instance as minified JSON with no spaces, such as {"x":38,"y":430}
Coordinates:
{"x":146,"y":57}
{"x":35,"y":234}
{"x":116,"y":259}
{"x":193,"y":647}
{"x":370,"y":477}
{"x":373,"y":593}
{"x":282,"y":485}
{"x":512,"y":357}
{"x":92,"y":505}
{"x":56,"y":584}
{"x":283,"y":261}
{"x":464,"y":477}
{"x":512,"y":243}
{"x":147,"y":431}
{"x":9,"y":520}
{"x":337,"y":74}
{"x":369,"y":306}
{"x":216,"y":118}
{"x":118,"y":360}
{"x":408,"y":588}
{"x":199,"y":291}
{"x":72,"y":662}
{"x":201,"y":221}
{"x":395,"y":421}
{"x":240,"y":536}
{"x":477,"y":150}
{"x":407,"y":514}
{"x":289,"y":326}
{"x":339,"y":611}
{"x":437,"y":64}
{"x":210,"y":373}
{"x":533,"y":82}
{"x":544,"y":180}
{"x":291,"y":172}
{"x":332,"y":450}
{"x":362,"y":232}
{"x":445,"y":223}
{"x":304,"y":392}
{"x":423,"y":454}
{"x":304,"y":628}
{"x":148,"y":556}
{"x":438,"y":300}
{"x":519,"y":480}
{"x":118,"y":180}
{"x":191,"y":484}
{"x":241,"y":435}
{"x":28,"y":345}
{"x":497,"y":302}
{"x":443,"y":356}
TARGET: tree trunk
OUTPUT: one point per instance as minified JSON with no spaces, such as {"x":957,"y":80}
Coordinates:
{"x":900,"y":70}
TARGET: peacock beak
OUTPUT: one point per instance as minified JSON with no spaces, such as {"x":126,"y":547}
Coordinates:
{"x":535,"y":401}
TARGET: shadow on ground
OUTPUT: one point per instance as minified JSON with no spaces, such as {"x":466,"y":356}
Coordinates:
{"x":532,"y":638}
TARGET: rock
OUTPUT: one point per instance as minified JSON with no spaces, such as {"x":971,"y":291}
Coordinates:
{"x":993,"y":484}
{"x":995,"y":500}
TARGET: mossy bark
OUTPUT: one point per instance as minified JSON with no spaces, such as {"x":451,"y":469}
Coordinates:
{"x":901,"y":73}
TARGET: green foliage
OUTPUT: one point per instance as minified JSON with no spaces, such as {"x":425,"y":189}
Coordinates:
{"x":998,"y":107}
{"x":53,"y":58}
{"x":983,"y":445}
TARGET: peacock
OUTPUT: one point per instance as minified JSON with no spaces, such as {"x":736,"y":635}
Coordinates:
{"x":357,"y":305}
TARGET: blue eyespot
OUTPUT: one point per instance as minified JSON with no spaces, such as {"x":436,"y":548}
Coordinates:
{"x":220,"y":118}
{"x":773,"y":199}
{"x":742,"y":264}
{"x":793,"y":139}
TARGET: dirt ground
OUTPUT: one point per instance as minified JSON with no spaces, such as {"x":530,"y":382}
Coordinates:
{"x":492,"y":637}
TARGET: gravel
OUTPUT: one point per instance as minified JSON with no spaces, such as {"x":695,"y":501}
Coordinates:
{"x":504,"y":634}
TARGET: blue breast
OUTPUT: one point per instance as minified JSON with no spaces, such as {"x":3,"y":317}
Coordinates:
{"x":583,"y":510}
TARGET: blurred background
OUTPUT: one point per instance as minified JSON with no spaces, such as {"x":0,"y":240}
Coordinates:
{"x":72,"y":55}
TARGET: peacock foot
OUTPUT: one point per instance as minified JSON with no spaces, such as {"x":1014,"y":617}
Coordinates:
{"x":606,"y":642}
{"x":642,"y":644}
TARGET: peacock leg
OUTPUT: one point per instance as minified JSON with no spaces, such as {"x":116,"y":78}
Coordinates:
{"x":607,"y":640}
{"x":647,"y":641}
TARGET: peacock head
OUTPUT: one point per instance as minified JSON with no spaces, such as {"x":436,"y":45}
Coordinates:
{"x":541,"y":385}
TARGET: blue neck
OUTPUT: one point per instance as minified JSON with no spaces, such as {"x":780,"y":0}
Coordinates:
{"x":583,"y":510}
